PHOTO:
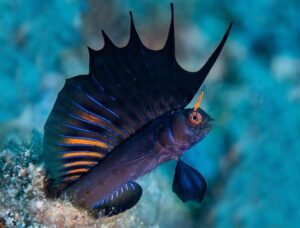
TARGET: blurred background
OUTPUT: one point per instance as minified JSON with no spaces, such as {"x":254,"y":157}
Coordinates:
{"x":251,"y":159}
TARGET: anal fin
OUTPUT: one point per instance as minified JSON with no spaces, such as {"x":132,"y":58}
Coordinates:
{"x":122,"y":199}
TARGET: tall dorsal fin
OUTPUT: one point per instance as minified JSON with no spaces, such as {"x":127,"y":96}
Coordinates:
{"x":125,"y":89}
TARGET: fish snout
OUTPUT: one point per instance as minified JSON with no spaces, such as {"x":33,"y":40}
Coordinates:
{"x":208,"y":123}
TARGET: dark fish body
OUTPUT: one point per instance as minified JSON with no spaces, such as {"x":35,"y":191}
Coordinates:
{"x":157,"y":143}
{"x":120,"y":121}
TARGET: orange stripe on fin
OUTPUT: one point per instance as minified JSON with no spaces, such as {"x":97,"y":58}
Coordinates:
{"x":97,"y":120}
{"x":80,"y":163}
{"x":72,"y":178}
{"x":78,"y":171}
{"x":89,"y":142}
{"x":83,"y":153}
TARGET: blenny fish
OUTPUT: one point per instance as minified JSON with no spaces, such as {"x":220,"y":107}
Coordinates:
{"x":124,"y":118}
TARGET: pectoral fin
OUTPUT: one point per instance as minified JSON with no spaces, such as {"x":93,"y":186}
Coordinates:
{"x":188,"y":183}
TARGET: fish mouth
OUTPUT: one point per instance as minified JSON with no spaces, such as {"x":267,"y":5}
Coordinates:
{"x":205,"y":128}
{"x":207,"y":125}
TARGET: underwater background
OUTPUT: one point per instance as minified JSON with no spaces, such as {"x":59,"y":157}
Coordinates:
{"x":251,"y":159}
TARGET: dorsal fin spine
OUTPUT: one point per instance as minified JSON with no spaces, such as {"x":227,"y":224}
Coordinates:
{"x":169,"y":48}
{"x":203,"y":72}
{"x":170,"y":43}
{"x":91,"y":57}
{"x":134,"y":37}
{"x":107,"y":40}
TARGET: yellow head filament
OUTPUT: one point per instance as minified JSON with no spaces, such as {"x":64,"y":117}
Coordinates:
{"x":198,"y":101}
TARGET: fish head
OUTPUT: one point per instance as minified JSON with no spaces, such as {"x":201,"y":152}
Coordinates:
{"x":190,"y":126}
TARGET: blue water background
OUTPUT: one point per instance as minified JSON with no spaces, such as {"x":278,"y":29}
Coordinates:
{"x":251,"y":159}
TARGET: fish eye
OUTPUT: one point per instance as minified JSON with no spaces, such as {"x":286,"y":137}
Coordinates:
{"x":195,"y":118}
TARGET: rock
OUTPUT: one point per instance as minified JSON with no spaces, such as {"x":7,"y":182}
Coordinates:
{"x":2,"y":223}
